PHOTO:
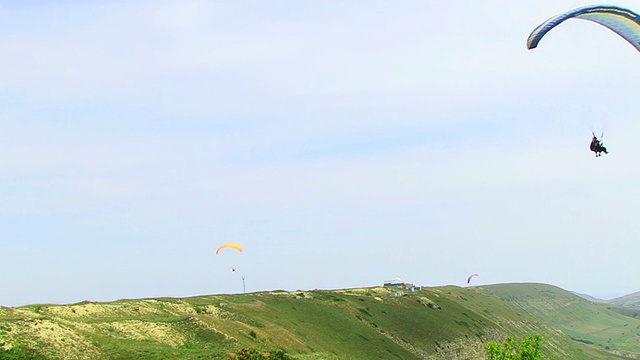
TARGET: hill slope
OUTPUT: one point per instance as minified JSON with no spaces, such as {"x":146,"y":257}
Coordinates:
{"x":584,"y":321}
{"x":627,"y":300}
{"x":589,"y":297}
{"x":370,"y":323}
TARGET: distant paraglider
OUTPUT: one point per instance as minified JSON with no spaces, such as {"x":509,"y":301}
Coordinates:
{"x":623,"y":22}
{"x":230,"y":245}
{"x":597,"y":146}
{"x":238,"y":247}
{"x":471,"y":276}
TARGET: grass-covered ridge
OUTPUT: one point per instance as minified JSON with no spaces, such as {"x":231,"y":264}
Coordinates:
{"x":632,"y":300}
{"x":369,"y":323}
{"x":612,"y":328}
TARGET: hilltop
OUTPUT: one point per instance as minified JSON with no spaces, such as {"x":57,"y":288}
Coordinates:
{"x":446,"y":322}
{"x":627,"y":300}
{"x":589,"y":297}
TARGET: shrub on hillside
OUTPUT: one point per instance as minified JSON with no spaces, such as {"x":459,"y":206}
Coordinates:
{"x":529,"y":349}
{"x":19,"y":354}
{"x":253,"y":354}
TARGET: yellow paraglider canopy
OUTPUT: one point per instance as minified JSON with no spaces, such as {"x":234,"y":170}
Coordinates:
{"x":230,"y":245}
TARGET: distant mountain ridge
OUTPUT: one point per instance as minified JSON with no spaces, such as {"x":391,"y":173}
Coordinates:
{"x":630,"y":300}
{"x":589,"y":297}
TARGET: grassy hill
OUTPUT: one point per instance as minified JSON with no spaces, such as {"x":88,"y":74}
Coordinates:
{"x":627,"y":300}
{"x":370,"y":323}
{"x":592,"y":323}
{"x":589,"y":297}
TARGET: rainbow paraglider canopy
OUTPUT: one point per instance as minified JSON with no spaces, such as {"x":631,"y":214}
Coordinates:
{"x":623,"y":22}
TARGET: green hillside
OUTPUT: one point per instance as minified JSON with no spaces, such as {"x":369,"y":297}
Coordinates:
{"x":627,"y":300}
{"x":370,"y":323}
{"x":617,"y":330}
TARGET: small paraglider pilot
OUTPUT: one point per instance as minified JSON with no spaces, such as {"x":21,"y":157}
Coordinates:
{"x":596,"y":146}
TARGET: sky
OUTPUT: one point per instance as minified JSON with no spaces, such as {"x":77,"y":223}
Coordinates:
{"x":342,"y":143}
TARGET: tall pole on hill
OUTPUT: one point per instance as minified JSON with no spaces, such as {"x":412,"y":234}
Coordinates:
{"x":244,"y":289}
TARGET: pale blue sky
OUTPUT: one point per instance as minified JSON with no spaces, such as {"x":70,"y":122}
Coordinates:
{"x":343,"y":143}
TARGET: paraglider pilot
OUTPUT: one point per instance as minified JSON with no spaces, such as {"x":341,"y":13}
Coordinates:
{"x":596,"y":146}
